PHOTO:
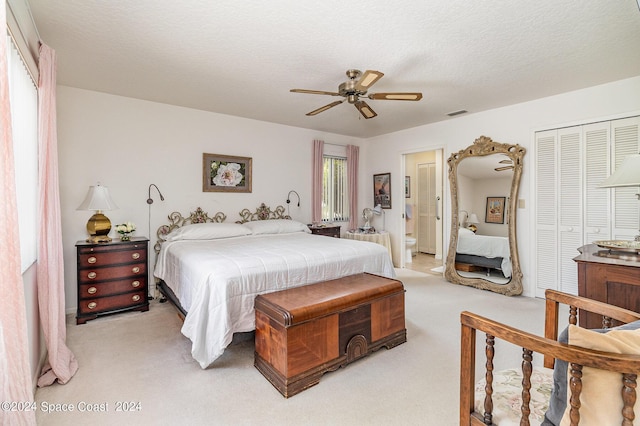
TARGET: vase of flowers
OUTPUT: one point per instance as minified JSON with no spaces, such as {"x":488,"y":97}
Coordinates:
{"x":125,"y":230}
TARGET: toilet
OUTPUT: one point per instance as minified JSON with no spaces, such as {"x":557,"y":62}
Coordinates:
{"x":410,"y":243}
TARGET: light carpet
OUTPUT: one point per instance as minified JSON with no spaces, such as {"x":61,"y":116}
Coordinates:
{"x":141,"y":361}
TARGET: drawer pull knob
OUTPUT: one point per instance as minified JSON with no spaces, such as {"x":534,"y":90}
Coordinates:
{"x":92,"y":305}
{"x":92,"y":275}
{"x":135,"y":297}
{"x":136,"y":255}
{"x":135,"y":269}
{"x":135,"y":284}
{"x":92,"y":259}
{"x":92,"y":290}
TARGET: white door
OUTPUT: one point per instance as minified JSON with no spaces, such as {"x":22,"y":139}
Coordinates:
{"x":427,"y":208}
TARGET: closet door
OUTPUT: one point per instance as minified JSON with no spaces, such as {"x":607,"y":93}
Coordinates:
{"x":625,"y":141}
{"x":546,"y":210}
{"x":597,"y":214}
{"x":570,"y":208}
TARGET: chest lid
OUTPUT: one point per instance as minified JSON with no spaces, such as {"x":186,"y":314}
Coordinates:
{"x":305,"y":303}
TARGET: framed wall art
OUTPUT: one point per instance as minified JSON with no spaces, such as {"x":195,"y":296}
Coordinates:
{"x":382,"y":190}
{"x":495,"y":210}
{"x":226,"y":173}
{"x":407,"y":187}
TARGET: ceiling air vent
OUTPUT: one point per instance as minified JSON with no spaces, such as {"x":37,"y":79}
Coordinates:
{"x":454,"y":113}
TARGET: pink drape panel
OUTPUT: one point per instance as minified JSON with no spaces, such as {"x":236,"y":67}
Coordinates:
{"x":15,"y":378}
{"x":353,"y":153}
{"x":316,"y":190}
{"x":61,"y":364}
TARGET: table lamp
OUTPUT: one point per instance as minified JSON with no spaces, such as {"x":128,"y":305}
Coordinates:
{"x":628,"y":174}
{"x":472,"y":220}
{"x":378,"y":210}
{"x":98,"y":226}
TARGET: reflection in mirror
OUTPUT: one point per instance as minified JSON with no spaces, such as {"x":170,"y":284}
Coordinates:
{"x":483,"y":250}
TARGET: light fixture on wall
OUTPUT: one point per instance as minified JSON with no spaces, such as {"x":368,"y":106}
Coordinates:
{"x":377,"y":210}
{"x":98,"y":226}
{"x":289,"y":199}
{"x":149,"y":202}
{"x":628,"y":174}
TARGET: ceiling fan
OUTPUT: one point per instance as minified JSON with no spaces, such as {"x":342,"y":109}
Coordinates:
{"x":355,"y":88}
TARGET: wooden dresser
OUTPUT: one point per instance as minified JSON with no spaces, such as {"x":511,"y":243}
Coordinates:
{"x":112,"y":277}
{"x":609,"y":277}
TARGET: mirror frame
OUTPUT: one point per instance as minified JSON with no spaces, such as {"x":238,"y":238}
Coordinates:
{"x":481,"y":147}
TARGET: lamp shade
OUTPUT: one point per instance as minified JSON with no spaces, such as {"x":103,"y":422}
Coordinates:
{"x":473,"y":218}
{"x":628,"y":174}
{"x":378,"y":209}
{"x":98,"y":199}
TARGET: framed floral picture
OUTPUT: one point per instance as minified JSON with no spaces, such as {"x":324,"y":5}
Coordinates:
{"x":382,"y":190}
{"x":495,"y":210}
{"x":226,"y":173}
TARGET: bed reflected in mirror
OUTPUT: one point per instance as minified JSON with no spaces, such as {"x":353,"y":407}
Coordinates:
{"x":483,"y":252}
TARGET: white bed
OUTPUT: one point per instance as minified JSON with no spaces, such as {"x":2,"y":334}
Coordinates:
{"x":486,"y":246}
{"x":216,"y":279}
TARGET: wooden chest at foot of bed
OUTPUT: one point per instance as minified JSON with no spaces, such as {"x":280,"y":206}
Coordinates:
{"x":304,"y":332}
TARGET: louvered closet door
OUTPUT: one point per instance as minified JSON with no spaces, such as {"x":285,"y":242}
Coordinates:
{"x":626,"y":141}
{"x":597,"y":216}
{"x":569,"y":206}
{"x":546,"y":210}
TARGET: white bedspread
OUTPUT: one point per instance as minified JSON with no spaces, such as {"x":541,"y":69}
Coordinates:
{"x":216,"y":281}
{"x":486,"y":246}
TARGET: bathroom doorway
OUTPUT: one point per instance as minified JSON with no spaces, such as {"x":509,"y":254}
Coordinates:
{"x":423,"y":208}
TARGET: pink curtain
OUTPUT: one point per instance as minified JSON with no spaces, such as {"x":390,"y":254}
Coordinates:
{"x":353,"y":153}
{"x":316,"y":190}
{"x":15,"y":378}
{"x":61,"y":364}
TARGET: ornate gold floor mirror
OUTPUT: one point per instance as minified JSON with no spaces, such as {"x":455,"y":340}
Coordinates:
{"x":484,"y":180}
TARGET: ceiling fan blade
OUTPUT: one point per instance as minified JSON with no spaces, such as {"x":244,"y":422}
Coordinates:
{"x":324,"y":108}
{"x":368,"y":78}
{"x":365,"y":109}
{"x":414,"y":96}
{"x":315,"y":92}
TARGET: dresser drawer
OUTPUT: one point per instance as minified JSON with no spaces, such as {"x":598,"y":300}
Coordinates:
{"x":108,"y":288}
{"x":111,"y":303}
{"x":102,"y":258}
{"x":111,"y":273}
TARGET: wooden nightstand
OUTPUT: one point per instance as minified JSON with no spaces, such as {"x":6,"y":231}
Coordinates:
{"x":112,"y":277}
{"x":326,"y":230}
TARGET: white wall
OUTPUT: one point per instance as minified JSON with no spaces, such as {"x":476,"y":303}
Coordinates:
{"x":514,"y":125}
{"x":127,"y":144}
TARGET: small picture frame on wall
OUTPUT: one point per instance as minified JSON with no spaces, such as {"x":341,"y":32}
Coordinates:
{"x":495,"y":210}
{"x":382,"y":190}
{"x":226,"y":173}
{"x":407,"y":187}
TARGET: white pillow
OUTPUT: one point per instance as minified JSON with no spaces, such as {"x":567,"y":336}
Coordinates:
{"x":208,"y":231}
{"x":463,"y":231}
{"x":276,"y":226}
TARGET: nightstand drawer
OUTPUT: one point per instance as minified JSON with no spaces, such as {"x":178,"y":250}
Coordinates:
{"x":101,"y":304}
{"x":101,"y":258}
{"x":111,"y":273}
{"x":109,"y":288}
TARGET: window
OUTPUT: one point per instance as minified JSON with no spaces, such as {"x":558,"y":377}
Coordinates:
{"x":335,"y":195}
{"x":23,"y":95}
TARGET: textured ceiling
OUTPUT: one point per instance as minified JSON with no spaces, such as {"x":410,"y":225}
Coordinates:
{"x":242,"y":57}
